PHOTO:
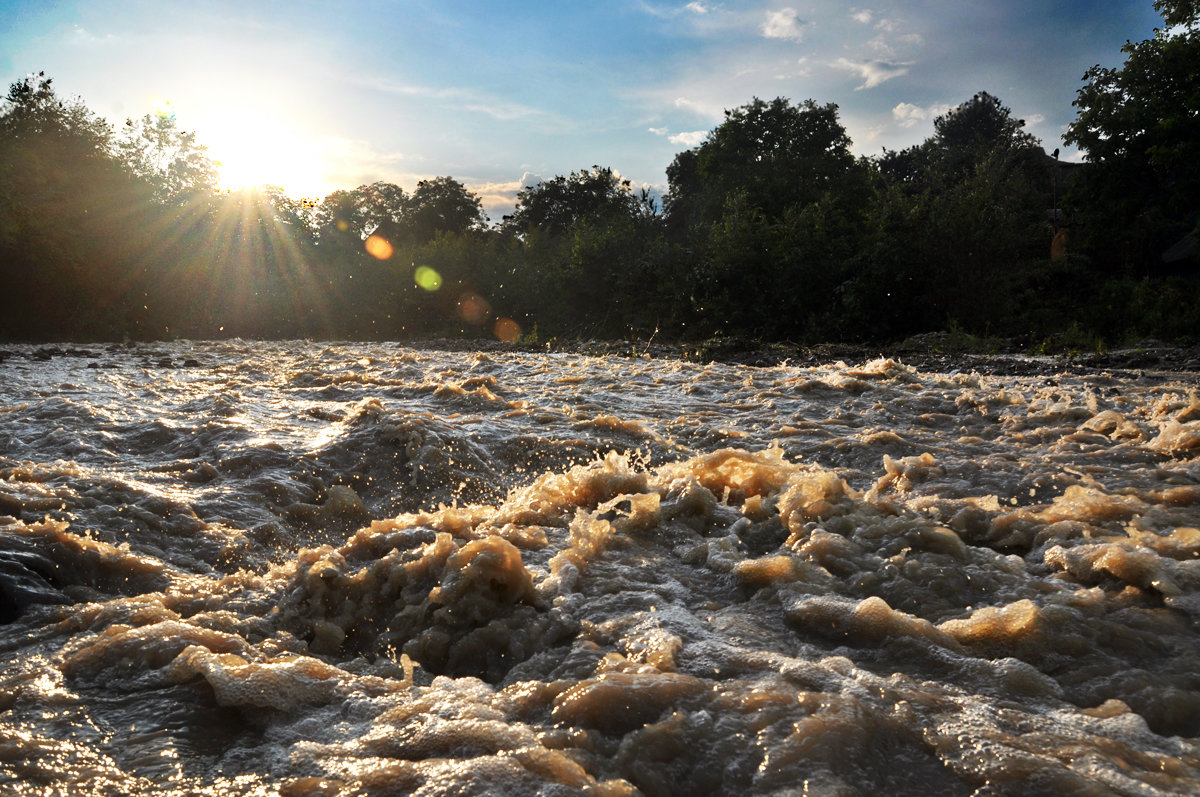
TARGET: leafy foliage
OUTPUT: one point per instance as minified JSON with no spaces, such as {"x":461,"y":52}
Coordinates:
{"x":1140,"y":127}
{"x":780,"y":155}
{"x":442,"y":206}
{"x":155,"y":150}
{"x":555,"y":206}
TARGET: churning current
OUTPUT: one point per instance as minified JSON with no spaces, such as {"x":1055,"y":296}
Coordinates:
{"x":339,"y":569}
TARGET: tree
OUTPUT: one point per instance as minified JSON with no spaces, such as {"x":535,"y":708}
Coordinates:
{"x":169,"y":159}
{"x":980,"y":130}
{"x":958,"y":225}
{"x":765,"y":208}
{"x":63,"y":196}
{"x":33,"y":112}
{"x":779,"y":154}
{"x":579,"y":247}
{"x":1139,"y":127}
{"x":977,"y":129}
{"x":1183,"y":13}
{"x":441,"y":206}
{"x":554,"y":206}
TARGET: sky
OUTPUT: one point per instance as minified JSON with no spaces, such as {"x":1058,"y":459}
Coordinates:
{"x":317,"y":96}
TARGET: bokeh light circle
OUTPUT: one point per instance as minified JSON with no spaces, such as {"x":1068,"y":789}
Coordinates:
{"x":378,"y":247}
{"x":473,"y":308}
{"x":507,"y":330}
{"x":427,"y":278}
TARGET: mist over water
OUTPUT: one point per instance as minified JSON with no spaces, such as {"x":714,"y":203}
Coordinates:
{"x":363,"y":569}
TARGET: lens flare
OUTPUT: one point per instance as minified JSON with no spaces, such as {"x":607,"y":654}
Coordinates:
{"x":473,"y":308}
{"x":507,"y":330}
{"x":378,"y":247}
{"x":162,"y":107}
{"x":427,"y":278}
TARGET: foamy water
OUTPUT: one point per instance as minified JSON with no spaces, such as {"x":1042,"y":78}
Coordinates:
{"x":315,"y":569}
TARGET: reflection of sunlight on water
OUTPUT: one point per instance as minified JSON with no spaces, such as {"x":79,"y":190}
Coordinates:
{"x":324,"y":436}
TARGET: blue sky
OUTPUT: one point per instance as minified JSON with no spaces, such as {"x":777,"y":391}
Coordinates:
{"x":315,"y":96}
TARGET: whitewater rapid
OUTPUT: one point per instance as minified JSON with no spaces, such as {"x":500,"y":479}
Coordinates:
{"x":298,"y":568}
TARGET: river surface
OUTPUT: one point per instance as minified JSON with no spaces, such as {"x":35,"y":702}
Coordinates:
{"x":247,"y":568}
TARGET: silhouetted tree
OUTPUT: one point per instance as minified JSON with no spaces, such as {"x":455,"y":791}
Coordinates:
{"x":1139,"y":127}
{"x":71,"y":217}
{"x":442,"y":205}
{"x":779,"y":154}
{"x":581,"y":247}
{"x":169,"y":159}
{"x":978,"y":129}
{"x":765,"y":208}
{"x":553,"y":206}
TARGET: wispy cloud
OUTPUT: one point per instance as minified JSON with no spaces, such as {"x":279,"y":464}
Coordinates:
{"x":873,"y":73}
{"x":79,"y":35}
{"x":889,"y":40}
{"x":349,"y":162}
{"x":784,"y":24}
{"x":696,"y":7}
{"x":462,"y":99}
{"x":701,"y":107}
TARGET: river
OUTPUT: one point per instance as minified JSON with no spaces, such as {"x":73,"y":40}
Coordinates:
{"x":304,"y":568}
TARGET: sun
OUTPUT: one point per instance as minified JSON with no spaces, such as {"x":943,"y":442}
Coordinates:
{"x":251,"y":153}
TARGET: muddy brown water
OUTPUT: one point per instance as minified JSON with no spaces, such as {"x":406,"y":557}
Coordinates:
{"x":364,"y":569}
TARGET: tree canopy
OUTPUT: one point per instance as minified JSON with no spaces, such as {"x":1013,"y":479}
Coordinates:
{"x":778,"y":154}
{"x":554,"y":206}
{"x":1139,"y":127}
{"x":440,"y":206}
{"x":772,"y":228}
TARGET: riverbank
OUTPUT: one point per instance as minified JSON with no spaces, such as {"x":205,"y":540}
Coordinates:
{"x":941,"y":352}
{"x":932,"y":352}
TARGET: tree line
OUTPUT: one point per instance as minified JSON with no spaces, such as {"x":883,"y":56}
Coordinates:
{"x":771,"y":228}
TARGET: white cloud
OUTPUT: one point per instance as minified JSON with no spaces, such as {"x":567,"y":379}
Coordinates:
{"x":864,"y":16}
{"x":1035,"y":119}
{"x":689,"y":140}
{"x":784,"y":24}
{"x":697,"y":8}
{"x":907,"y":114}
{"x":500,"y":198}
{"x":872,"y":73}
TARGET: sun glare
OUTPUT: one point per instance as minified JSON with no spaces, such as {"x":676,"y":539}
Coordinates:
{"x":252,"y":153}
